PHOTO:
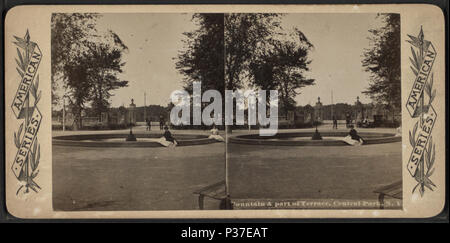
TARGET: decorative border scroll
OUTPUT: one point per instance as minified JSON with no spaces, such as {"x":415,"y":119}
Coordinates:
{"x":421,"y":161}
{"x":26,"y":161}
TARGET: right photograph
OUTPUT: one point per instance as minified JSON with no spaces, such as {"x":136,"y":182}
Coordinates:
{"x":338,"y":138}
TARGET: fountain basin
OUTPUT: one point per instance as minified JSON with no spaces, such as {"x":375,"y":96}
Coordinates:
{"x":118,"y":140}
{"x":329,"y":138}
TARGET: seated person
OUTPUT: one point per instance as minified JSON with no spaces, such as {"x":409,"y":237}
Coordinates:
{"x":167,"y":139}
{"x":353,"y":138}
{"x":365,"y":121}
{"x":215,"y":134}
{"x":398,"y":132}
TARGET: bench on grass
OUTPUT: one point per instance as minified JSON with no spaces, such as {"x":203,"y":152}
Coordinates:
{"x":394,"y":190}
{"x":216,"y":191}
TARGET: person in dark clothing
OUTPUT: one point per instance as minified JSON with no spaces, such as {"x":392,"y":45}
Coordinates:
{"x":334,"y":123}
{"x":353,"y":138}
{"x":161,"y":123}
{"x":168,"y":136}
{"x":149,"y":127}
{"x":354,"y":134}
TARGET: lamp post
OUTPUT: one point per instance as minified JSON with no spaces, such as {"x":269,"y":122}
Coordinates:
{"x":316,"y":135}
{"x":145,"y":106}
{"x":317,"y":117}
{"x":131,"y":136}
{"x":131,"y":111}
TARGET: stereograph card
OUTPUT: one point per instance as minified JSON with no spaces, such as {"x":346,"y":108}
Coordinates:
{"x":225,"y":111}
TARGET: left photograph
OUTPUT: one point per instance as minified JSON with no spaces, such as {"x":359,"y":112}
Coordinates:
{"x":113,"y":144}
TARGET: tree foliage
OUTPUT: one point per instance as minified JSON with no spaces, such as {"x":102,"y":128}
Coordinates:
{"x":259,"y":51}
{"x":105,"y":63}
{"x":236,"y":50}
{"x":85,"y":63}
{"x":245,"y":36}
{"x":281,"y":66}
{"x":382,"y":61}
{"x":202,"y":58}
{"x":67,"y":33}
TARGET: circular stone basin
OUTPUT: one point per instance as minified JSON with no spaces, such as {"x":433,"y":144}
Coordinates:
{"x":118,"y":140}
{"x":332,"y":138}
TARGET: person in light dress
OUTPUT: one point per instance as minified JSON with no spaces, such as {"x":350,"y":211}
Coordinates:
{"x":398,"y":132}
{"x":167,"y":139}
{"x":353,"y":138}
{"x":215,"y":134}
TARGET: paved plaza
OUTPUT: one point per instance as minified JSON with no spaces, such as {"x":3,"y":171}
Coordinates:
{"x":160,"y":178}
{"x":313,"y":172}
{"x":155,"y":178}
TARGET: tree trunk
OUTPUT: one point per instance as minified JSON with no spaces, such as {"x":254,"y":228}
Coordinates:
{"x":78,"y":119}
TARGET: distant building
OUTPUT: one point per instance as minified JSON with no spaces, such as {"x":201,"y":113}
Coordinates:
{"x":355,"y":112}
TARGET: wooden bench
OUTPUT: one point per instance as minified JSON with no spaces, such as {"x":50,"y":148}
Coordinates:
{"x":394,"y":190}
{"x":216,"y":191}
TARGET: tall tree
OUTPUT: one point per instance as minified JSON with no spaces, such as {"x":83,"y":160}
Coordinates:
{"x":202,"y":58}
{"x":68,"y":31}
{"x":79,"y":92}
{"x":245,"y":35}
{"x":382,"y":61}
{"x":105,"y":61}
{"x":229,"y":51}
{"x":281,"y":67}
{"x":85,"y":62}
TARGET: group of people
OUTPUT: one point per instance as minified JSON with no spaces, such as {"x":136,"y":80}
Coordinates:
{"x":148,"y":122}
{"x":352,"y":138}
{"x":168,"y":140}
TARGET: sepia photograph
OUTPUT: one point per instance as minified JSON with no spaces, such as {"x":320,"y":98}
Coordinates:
{"x":338,"y":119}
{"x":338,"y":144}
{"x":225,"y":112}
{"x":114,"y":147}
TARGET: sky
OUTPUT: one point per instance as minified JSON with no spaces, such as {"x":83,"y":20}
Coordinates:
{"x":155,"y":39}
{"x":339,"y":41}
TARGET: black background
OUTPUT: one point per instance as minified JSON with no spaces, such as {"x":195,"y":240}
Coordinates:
{"x":164,"y":229}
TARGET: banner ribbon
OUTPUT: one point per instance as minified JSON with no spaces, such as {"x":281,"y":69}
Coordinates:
{"x":26,"y":82}
{"x":427,"y":125}
{"x":21,"y":112}
{"x":421,"y":79}
{"x":28,"y":140}
{"x":426,"y":113}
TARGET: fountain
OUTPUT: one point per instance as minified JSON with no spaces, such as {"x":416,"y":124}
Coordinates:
{"x":120,"y":139}
{"x":316,"y":135}
{"x":303,"y":138}
{"x":316,"y":138}
{"x":128,"y":139}
{"x":318,"y":114}
{"x":132,"y":119}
